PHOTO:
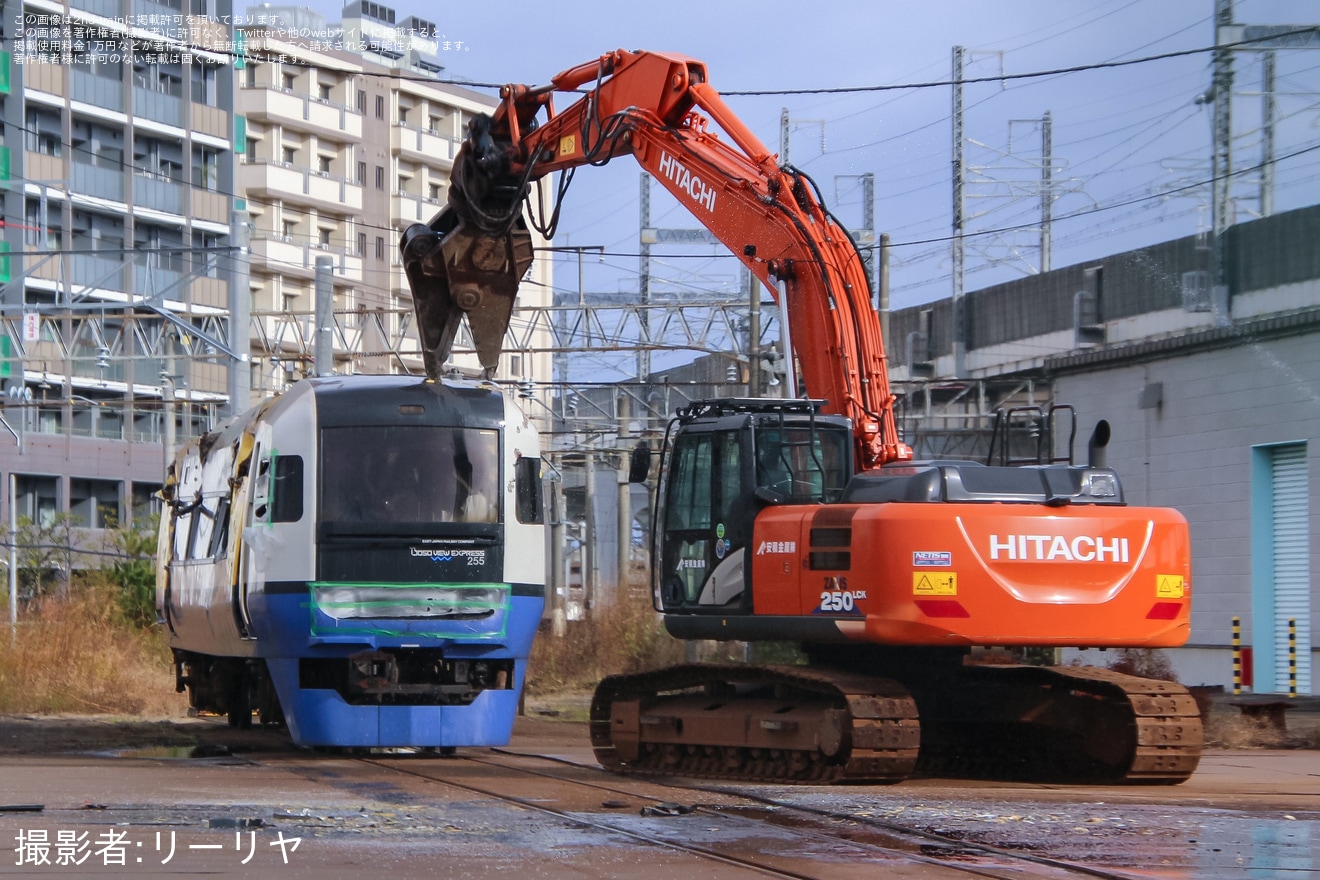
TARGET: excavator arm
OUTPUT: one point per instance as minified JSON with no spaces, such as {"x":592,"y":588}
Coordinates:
{"x":658,"y":108}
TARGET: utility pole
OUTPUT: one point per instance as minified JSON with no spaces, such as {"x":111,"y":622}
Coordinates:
{"x":644,"y":277}
{"x":1267,"y":112}
{"x":1221,"y":165}
{"x":882,"y":291}
{"x":240,"y":317}
{"x":323,"y":352}
{"x":753,"y":334}
{"x":1046,"y":189}
{"x":959,"y":336}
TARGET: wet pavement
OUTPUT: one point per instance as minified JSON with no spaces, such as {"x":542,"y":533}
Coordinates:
{"x":163,"y":809}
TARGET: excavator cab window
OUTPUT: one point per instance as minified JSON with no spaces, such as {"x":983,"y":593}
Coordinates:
{"x":707,"y":519}
{"x":801,"y":464}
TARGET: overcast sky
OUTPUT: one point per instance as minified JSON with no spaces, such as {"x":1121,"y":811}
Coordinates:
{"x":1121,"y":136}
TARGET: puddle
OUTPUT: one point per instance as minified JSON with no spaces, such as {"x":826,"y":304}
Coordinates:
{"x":170,"y":752}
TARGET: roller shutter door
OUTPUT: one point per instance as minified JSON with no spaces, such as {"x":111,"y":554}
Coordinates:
{"x":1292,"y":568}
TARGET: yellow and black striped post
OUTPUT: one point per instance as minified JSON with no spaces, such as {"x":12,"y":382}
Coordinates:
{"x":1237,"y":655}
{"x":1292,"y":657}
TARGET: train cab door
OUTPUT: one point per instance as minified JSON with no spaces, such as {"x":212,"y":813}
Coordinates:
{"x":706,"y":521}
{"x":251,"y":507}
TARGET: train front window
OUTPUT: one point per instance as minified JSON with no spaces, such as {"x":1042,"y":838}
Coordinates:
{"x":413,"y":474}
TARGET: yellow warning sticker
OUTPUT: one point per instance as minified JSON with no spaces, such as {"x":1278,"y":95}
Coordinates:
{"x":568,"y":145}
{"x":1169,"y":586}
{"x":929,"y":583}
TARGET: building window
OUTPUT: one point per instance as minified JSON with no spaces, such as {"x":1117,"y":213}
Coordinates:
{"x":146,"y":503}
{"x":362,"y":173}
{"x":362,"y":102}
{"x":403,"y":116}
{"x":380,"y":247}
{"x":434,"y":191}
{"x":325,"y":238}
{"x":96,"y":504}
{"x":206,"y":168}
{"x":290,"y":155}
{"x":203,"y":83}
{"x":252,"y":73}
{"x":38,"y":499}
{"x":362,"y":244}
{"x":290,"y":80}
{"x":380,"y":177}
{"x":380,"y":106}
{"x":323,"y":91}
{"x":323,"y":162}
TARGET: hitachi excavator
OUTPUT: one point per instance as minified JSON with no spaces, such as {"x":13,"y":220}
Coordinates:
{"x":807,"y":520}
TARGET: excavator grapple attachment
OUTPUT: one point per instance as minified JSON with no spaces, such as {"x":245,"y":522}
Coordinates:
{"x":454,"y":270}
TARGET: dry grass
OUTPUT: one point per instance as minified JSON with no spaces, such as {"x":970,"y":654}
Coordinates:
{"x":78,"y":655}
{"x":626,"y":637}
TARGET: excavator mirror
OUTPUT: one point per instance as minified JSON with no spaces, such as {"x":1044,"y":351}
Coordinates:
{"x":639,"y":463}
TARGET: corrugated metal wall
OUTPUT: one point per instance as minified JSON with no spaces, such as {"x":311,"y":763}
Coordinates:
{"x":1262,"y":254}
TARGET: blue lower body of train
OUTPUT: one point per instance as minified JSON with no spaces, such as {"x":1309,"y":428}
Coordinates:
{"x":346,"y":678}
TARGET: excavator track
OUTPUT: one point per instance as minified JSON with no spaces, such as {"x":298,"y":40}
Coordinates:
{"x":756,"y":724}
{"x":819,"y":725}
{"x":1065,"y":724}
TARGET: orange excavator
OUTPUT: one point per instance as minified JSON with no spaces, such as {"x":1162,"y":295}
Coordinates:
{"x":807,"y":520}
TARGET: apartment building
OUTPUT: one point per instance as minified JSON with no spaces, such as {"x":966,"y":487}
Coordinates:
{"x":117,"y":162}
{"x":348,"y":140}
{"x":173,"y":183}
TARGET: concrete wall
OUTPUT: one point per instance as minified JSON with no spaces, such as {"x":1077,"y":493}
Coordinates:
{"x":1194,"y":452}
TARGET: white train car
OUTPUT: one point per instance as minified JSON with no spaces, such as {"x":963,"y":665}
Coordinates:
{"x":360,"y":558}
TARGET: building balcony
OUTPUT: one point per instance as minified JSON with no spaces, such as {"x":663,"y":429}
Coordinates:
{"x":326,"y":117}
{"x":44,"y":77}
{"x":158,"y":106}
{"x":301,"y":112}
{"x":158,"y":194}
{"x":424,"y":145}
{"x":212,"y":120}
{"x":39,"y":166}
{"x":92,"y":180}
{"x":408,"y":208}
{"x":301,"y":185}
{"x":155,"y":282}
{"x":99,"y":91}
{"x":97,"y":271}
{"x":43,"y":266}
{"x":282,"y":255}
{"x":111,"y":9}
{"x":210,"y":206}
{"x":212,"y":292}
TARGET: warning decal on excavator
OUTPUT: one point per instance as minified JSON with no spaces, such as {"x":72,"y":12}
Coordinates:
{"x":1169,"y":586}
{"x":568,"y":145}
{"x":944,"y":583}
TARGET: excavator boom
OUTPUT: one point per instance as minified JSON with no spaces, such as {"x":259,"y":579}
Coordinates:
{"x":658,"y":108}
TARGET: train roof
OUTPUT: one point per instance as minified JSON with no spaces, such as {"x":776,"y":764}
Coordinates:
{"x":388,"y":400}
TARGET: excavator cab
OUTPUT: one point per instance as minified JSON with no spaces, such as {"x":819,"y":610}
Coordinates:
{"x":726,"y":460}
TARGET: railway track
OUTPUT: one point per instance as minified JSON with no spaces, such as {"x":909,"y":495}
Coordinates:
{"x":731,"y":827}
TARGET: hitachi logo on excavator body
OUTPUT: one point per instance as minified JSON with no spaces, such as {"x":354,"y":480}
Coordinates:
{"x":1057,"y":548}
{"x":703,"y":193}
